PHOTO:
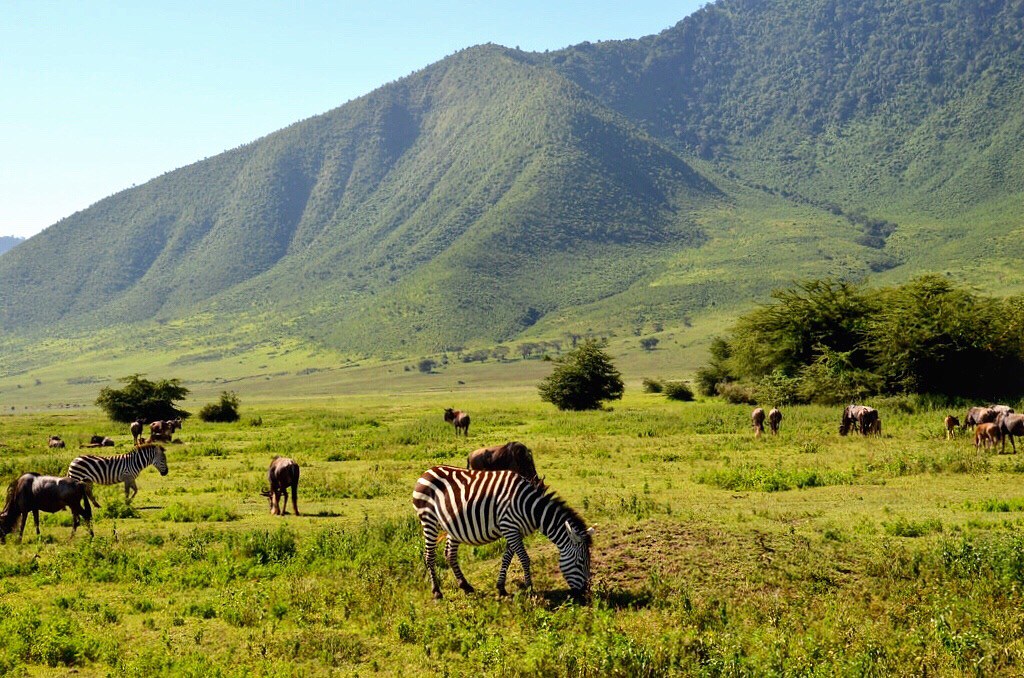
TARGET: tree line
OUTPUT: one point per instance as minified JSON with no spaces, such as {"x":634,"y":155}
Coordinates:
{"x":830,"y":342}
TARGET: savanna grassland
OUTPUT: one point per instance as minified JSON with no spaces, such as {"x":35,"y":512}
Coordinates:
{"x":716,"y":553}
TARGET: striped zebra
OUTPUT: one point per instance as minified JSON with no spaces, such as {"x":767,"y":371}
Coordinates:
{"x":479,"y":507}
{"x":124,"y":468}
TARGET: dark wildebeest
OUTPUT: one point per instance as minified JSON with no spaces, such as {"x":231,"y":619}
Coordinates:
{"x":55,"y":441}
{"x":986,"y":434}
{"x":512,"y":456}
{"x":1010,"y":425}
{"x":163,"y":430}
{"x":136,"y":428}
{"x":458,"y":419}
{"x":100,"y":441}
{"x":283,"y":473}
{"x":859,"y":417}
{"x":985,"y":415}
{"x":757,"y":420}
{"x":34,"y":493}
{"x":774,"y":420}
{"x":951,"y":423}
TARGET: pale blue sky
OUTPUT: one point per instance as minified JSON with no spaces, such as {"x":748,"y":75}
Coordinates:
{"x":98,"y":96}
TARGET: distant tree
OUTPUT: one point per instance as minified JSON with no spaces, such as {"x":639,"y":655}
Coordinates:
{"x":142,"y":399}
{"x":527,"y":349}
{"x":652,"y":385}
{"x":678,"y":390}
{"x":226,"y":410}
{"x":500,"y":352}
{"x":582,"y":379}
{"x":427,"y":365}
{"x":648,"y":343}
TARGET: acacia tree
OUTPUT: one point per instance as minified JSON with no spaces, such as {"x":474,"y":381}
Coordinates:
{"x":142,"y":399}
{"x":582,"y":379}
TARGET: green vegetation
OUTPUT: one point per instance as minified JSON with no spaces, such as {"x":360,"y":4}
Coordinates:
{"x":715,"y":552}
{"x":142,"y":399}
{"x":499,"y":198}
{"x":224,"y":410}
{"x":582,"y":379}
{"x":836,"y":342}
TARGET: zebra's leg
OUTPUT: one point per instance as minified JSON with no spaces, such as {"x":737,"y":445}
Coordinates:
{"x":506,"y":560}
{"x":429,"y":550}
{"x":515,"y":545}
{"x":451,"y":554}
{"x":129,"y":484}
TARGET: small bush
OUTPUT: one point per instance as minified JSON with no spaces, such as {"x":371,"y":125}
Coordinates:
{"x":117,"y":508}
{"x":652,"y":385}
{"x":179,"y":513}
{"x":267,"y":547}
{"x":678,"y":390}
{"x":736,"y":393}
{"x":224,"y":411}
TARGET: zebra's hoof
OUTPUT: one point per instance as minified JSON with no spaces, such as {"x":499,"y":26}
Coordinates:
{"x":438,"y":595}
{"x":467,"y":587}
{"x":502,"y":591}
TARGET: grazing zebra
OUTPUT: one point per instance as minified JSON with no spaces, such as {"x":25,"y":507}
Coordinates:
{"x":479,"y":507}
{"x":124,"y":468}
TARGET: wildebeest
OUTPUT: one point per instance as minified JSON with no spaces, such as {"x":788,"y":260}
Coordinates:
{"x":1010,"y":425}
{"x":55,"y":441}
{"x":951,"y":423}
{"x":986,"y":434}
{"x":512,"y":456}
{"x":34,"y":493}
{"x":163,"y":429}
{"x":757,"y":419}
{"x":100,"y":441}
{"x":859,"y":417}
{"x":458,"y":419}
{"x":774,"y":420}
{"x":136,"y":428}
{"x":985,"y":415}
{"x":283,"y":473}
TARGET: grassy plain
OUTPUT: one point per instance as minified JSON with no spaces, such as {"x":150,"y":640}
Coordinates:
{"x":715,"y":554}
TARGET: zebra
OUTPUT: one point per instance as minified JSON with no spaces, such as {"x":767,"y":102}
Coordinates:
{"x":124,"y":468}
{"x":479,"y":507}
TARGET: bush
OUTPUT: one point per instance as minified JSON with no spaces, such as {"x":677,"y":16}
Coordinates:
{"x":224,"y":411}
{"x":142,"y":399}
{"x":678,"y":390}
{"x":652,"y":386}
{"x":736,"y":393}
{"x":582,"y":379}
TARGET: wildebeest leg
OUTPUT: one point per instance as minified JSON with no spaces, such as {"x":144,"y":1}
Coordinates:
{"x":295,"y":498}
{"x":451,"y":554}
{"x":74,"y":520}
{"x":35,"y":514}
{"x":284,"y":498}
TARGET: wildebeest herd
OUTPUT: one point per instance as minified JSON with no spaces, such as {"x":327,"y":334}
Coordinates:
{"x":499,"y":494}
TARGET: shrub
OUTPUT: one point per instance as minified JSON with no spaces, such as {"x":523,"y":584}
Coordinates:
{"x":224,"y":411}
{"x":736,"y":393}
{"x":678,"y":390}
{"x":582,"y":379}
{"x":652,"y":386}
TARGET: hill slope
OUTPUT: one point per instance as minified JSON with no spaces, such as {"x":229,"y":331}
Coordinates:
{"x":619,"y":185}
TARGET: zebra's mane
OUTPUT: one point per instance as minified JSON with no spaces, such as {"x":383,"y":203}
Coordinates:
{"x":575,"y":519}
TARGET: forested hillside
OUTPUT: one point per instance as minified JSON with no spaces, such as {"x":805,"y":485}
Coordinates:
{"x":8,"y":241}
{"x":616,"y":186}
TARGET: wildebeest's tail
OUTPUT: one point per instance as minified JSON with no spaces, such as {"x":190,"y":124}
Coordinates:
{"x":9,"y":516}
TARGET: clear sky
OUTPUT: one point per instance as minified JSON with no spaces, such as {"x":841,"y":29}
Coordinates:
{"x":98,"y":96}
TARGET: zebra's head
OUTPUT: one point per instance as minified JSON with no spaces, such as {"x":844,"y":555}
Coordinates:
{"x":160,"y":460}
{"x":574,"y":558}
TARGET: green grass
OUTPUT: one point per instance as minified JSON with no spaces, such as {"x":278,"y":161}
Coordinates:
{"x":715,"y":552}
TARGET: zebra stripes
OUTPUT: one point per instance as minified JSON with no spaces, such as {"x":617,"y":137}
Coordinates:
{"x":124,"y":468}
{"x":479,"y":507}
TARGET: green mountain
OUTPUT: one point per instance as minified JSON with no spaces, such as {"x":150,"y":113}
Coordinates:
{"x":609,"y":187}
{"x":9,"y":241}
